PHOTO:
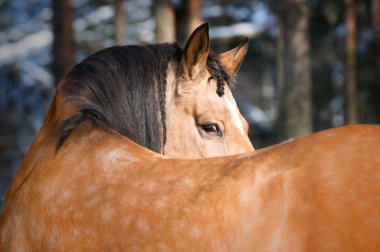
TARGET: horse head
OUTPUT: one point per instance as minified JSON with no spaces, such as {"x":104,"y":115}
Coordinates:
{"x":172,"y":100}
{"x":202,"y":117}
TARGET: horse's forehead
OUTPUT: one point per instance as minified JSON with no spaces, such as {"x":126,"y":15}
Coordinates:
{"x":234,"y":113}
{"x":225,"y":105}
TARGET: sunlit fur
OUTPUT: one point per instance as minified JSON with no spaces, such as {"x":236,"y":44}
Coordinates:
{"x":102,"y":192}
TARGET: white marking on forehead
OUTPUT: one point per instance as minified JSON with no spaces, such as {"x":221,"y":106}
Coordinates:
{"x":235,"y":114}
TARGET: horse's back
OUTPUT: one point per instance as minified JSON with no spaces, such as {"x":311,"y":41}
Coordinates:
{"x":320,"y":193}
{"x":101,"y":192}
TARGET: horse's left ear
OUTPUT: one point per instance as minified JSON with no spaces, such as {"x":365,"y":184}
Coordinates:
{"x":232,"y":59}
{"x":196,"y":52}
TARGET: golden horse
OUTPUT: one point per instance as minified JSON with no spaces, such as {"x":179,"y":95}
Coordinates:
{"x":85,"y":186}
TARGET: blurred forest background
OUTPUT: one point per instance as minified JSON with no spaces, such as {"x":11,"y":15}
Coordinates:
{"x":311,"y":64}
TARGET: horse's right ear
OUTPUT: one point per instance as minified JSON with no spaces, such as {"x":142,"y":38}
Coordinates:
{"x":196,"y":52}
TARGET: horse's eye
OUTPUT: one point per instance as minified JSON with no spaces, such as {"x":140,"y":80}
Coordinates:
{"x":211,"y":129}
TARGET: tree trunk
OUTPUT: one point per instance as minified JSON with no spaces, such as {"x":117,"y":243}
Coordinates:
{"x":350,"y":71}
{"x":63,"y":42}
{"x":165,"y":21}
{"x":375,"y":9}
{"x":294,"y":79}
{"x":194,"y":17}
{"x":119,"y":22}
{"x":280,"y":69}
{"x":188,"y":17}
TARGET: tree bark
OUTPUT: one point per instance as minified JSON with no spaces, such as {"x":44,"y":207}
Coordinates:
{"x":375,"y":9}
{"x":194,"y":18}
{"x":294,"y":76}
{"x":280,"y":68}
{"x":188,"y":17}
{"x":119,"y":22}
{"x":63,"y":42}
{"x":165,"y":21}
{"x":350,"y":71}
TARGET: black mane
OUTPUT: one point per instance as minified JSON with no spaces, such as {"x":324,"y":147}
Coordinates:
{"x":124,"y":88}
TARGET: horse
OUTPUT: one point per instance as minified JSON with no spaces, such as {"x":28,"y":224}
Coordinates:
{"x":317,"y":193}
{"x":172,"y":100}
{"x":98,"y":189}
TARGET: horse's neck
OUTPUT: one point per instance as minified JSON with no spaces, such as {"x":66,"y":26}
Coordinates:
{"x":45,"y":143}
{"x":43,"y":150}
{"x":41,"y":147}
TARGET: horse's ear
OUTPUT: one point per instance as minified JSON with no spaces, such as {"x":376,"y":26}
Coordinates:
{"x":232,"y":59}
{"x":196,"y":52}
